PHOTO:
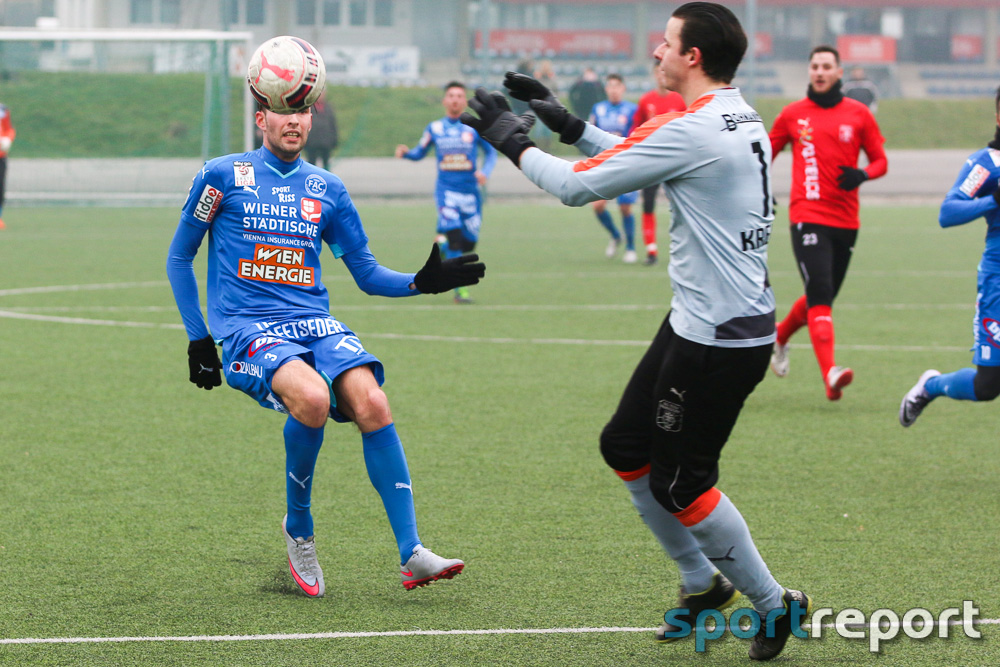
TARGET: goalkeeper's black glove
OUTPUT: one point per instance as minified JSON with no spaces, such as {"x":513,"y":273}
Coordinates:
{"x":549,"y":109}
{"x":850,"y":178}
{"x":204,"y":364}
{"x":498,"y":125}
{"x":440,"y":276}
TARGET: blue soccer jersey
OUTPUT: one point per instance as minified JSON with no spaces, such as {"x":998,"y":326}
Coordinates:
{"x":267,"y":220}
{"x":970,"y":198}
{"x":457,"y":146}
{"x":614,"y":118}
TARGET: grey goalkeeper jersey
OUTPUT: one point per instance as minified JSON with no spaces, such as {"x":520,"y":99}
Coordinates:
{"x":715,"y":160}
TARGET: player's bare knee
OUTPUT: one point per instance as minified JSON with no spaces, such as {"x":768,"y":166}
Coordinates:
{"x":372,"y":411}
{"x":312,"y":406}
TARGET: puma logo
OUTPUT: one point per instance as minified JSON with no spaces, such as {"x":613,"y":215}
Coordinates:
{"x":679,"y":394}
{"x":302,"y":483}
{"x":247,"y":188}
{"x":726,"y":557}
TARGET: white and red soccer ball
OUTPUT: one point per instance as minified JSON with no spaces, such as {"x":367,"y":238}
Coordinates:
{"x":286,"y":74}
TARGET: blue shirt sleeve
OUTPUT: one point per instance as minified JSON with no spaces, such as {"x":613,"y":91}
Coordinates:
{"x":971,"y":196}
{"x":489,"y":156}
{"x":180,"y":271}
{"x":375,"y":279}
{"x":420,"y":150}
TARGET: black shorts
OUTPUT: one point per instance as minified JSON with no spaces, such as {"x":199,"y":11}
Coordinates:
{"x":677,"y":412}
{"x":822,"y":254}
{"x":649,"y":198}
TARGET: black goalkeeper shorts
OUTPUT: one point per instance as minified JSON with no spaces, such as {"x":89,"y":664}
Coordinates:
{"x":677,"y":412}
{"x":822,"y":254}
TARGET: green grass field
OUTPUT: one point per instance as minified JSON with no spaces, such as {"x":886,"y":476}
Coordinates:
{"x":135,"y":505}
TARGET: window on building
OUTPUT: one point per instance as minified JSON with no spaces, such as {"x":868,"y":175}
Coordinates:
{"x":306,"y":12}
{"x":358,"y":11}
{"x":170,"y":11}
{"x":231,"y":9}
{"x":141,"y":11}
{"x":331,"y":12}
{"x":255,"y":12}
{"x":383,"y":12}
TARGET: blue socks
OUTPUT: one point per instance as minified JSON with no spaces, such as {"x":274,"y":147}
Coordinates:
{"x":628,"y":224}
{"x":605,"y":219}
{"x":959,"y":385}
{"x":390,"y":476}
{"x":696,"y":570}
{"x":302,"y":445}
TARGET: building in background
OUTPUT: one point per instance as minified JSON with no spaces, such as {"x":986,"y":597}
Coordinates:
{"x":911,"y":47}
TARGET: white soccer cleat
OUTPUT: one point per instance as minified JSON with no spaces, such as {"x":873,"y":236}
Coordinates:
{"x":303,"y":564}
{"x":837,"y":378}
{"x":425,"y":566}
{"x":630,"y":257}
{"x":779,"y":359}
{"x":612,"y":248}
{"x":916,"y":399}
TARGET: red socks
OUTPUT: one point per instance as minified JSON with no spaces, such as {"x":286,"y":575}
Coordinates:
{"x":795,"y":320}
{"x":649,"y":230}
{"x":821,"y":333}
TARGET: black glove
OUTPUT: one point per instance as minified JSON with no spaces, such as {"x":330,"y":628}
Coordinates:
{"x":850,"y":178}
{"x":498,"y":125}
{"x":549,"y":109}
{"x":438,"y":276}
{"x":996,"y":195}
{"x":204,"y":364}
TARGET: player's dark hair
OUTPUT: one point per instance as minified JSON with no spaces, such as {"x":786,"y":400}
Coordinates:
{"x":716,"y":32}
{"x":453,"y":84}
{"x":826,"y":48}
{"x":614,"y":76}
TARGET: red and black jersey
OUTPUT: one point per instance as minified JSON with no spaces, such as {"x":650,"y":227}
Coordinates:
{"x":822,"y":141}
{"x":653,"y":104}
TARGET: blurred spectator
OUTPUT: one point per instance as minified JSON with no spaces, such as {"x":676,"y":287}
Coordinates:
{"x":323,"y":138}
{"x":859,"y":87}
{"x":6,"y":139}
{"x":586,"y":92}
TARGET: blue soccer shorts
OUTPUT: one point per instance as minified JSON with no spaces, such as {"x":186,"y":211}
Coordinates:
{"x":459,"y":210}
{"x":251,"y":356}
{"x":628,"y":198}
{"x":987,"y":321}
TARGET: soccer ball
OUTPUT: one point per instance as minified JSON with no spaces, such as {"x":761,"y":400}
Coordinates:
{"x":286,"y":74}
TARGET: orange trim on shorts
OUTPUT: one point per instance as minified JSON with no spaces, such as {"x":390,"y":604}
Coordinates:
{"x":640,"y":133}
{"x":635,"y":474}
{"x":700,"y":508}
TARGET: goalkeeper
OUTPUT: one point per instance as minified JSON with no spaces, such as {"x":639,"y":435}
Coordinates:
{"x":267,"y":214}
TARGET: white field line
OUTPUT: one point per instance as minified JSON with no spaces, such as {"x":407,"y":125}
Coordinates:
{"x":427,"y":338}
{"x":405,"y":633}
{"x":406,"y":307}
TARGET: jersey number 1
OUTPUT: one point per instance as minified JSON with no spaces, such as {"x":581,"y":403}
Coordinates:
{"x":759,"y":150}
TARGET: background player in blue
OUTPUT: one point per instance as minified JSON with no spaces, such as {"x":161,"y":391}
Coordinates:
{"x":267,"y":214}
{"x":459,"y":200}
{"x":615,"y":115}
{"x":975,"y":195}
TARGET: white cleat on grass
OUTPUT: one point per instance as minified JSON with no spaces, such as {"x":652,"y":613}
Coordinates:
{"x":916,"y":399}
{"x":630,"y":257}
{"x":425,"y":566}
{"x":303,"y":564}
{"x":837,"y":378}
{"x":612,"y":248}
{"x":779,"y":359}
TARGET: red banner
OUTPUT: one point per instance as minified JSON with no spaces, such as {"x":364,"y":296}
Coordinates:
{"x":966,"y":48}
{"x":866,"y":49}
{"x":765,"y":43}
{"x":560,"y":42}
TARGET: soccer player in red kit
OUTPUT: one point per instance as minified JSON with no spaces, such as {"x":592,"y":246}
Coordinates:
{"x":827,"y":131}
{"x":653,"y":103}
